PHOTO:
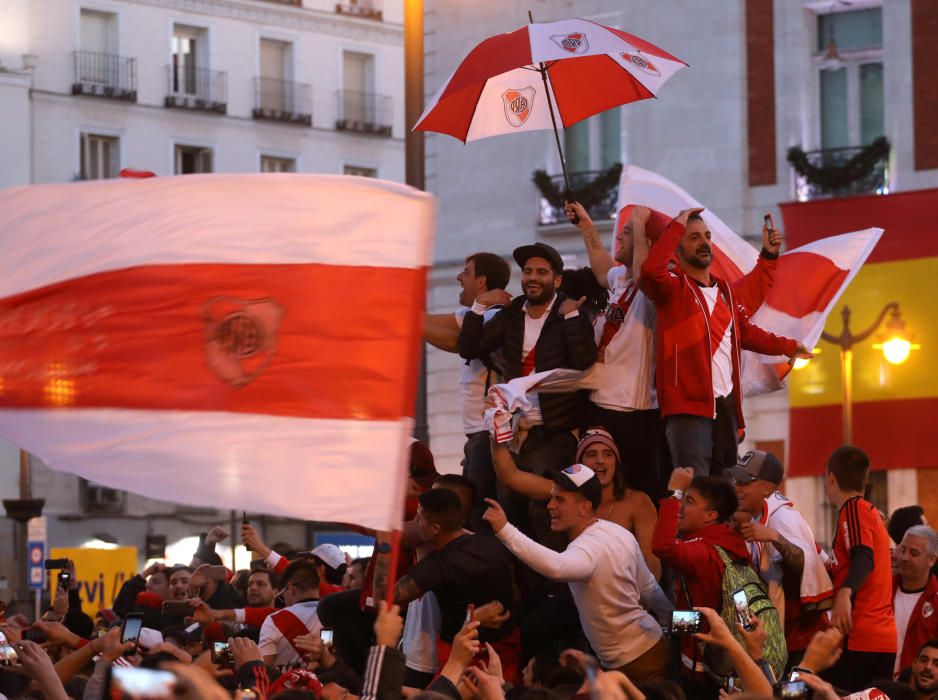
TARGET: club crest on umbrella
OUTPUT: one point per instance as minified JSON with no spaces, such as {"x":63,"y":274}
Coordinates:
{"x":642,"y":63}
{"x":518,"y":105}
{"x":572,"y":43}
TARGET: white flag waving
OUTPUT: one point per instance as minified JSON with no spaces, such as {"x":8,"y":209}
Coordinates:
{"x":218,"y":340}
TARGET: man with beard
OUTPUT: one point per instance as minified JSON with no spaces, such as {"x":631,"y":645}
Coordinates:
{"x":702,"y":329}
{"x":538,"y":331}
{"x":924,"y":680}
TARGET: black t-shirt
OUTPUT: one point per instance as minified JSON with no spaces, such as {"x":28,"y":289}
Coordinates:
{"x":473,"y":568}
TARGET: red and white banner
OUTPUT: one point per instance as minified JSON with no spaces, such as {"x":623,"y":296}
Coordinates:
{"x":808,"y":281}
{"x":247,"y":342}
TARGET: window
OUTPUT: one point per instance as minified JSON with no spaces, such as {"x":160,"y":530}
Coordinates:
{"x":100,"y":156}
{"x":594,"y":143}
{"x":97,"y":63}
{"x":276,"y":94}
{"x":192,"y":159}
{"x":189,"y":56}
{"x":359,"y":104}
{"x":850,"y":65}
{"x":272,"y":164}
{"x":360,"y":171}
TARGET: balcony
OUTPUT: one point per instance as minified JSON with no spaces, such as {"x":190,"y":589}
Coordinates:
{"x":359,"y":8}
{"x":196,"y":88}
{"x":104,"y":75}
{"x":283,"y":101}
{"x":364,"y":113}
{"x":551,"y":213}
{"x":842,"y":172}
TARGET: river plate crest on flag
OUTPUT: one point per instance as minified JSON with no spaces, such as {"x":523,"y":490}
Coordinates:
{"x":240,"y":337}
{"x":575,"y":42}
{"x":518,"y":105}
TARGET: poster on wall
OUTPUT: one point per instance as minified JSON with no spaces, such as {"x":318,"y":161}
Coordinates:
{"x":100,"y":573}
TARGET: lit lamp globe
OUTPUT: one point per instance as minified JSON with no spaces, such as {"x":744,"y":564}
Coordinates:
{"x":897,"y":347}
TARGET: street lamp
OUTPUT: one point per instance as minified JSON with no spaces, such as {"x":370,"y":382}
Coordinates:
{"x":896,"y":349}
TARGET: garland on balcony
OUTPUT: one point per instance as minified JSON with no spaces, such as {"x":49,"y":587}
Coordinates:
{"x":589,"y":195}
{"x":834,"y":177}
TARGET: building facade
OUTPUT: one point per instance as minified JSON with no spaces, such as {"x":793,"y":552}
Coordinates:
{"x":763,"y":76}
{"x":90,"y":87}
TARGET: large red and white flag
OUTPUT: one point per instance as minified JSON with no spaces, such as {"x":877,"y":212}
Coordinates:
{"x":248,"y":342}
{"x":808,"y":281}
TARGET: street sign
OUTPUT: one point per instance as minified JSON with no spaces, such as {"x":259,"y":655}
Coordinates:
{"x":36,"y":552}
{"x":37,"y":572}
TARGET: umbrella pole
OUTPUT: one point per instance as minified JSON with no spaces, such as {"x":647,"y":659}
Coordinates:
{"x":553,"y":120}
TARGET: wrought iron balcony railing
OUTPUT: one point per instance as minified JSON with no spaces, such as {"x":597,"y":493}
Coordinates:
{"x":282,"y":100}
{"x":548,"y":214}
{"x":104,"y":75}
{"x":364,"y":112}
{"x":359,"y":9}
{"x":196,"y":88}
{"x":876,"y":181}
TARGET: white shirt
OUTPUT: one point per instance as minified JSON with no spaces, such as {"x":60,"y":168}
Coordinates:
{"x":609,"y":581}
{"x":767,"y":560}
{"x":722,"y":363}
{"x":627,"y":372}
{"x":421,"y":630}
{"x":272,"y":640}
{"x":532,"y":333}
{"x":472,"y":378}
{"x":903,"y":604}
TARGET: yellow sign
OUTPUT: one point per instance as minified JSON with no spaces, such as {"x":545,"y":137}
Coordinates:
{"x":100,"y":573}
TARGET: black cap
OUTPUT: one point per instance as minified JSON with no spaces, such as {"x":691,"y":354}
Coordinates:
{"x":583,"y":480}
{"x":757,"y":464}
{"x":539,"y":250}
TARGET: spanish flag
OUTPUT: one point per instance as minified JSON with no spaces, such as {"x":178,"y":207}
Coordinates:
{"x":895,"y":406}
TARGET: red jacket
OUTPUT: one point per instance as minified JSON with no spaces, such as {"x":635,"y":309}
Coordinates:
{"x":923,"y":622}
{"x":696,"y":562}
{"x":683,"y":375}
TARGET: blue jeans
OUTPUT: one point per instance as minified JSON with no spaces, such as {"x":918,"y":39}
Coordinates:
{"x":707,"y":445}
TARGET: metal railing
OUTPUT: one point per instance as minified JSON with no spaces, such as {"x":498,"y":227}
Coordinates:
{"x":104,"y":75}
{"x":877,"y":182}
{"x":547,"y":214}
{"x":282,"y":100}
{"x":364,"y":112}
{"x":365,"y":10}
{"x":196,"y":88}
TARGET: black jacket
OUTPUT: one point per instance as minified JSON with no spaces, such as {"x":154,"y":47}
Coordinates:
{"x":563,"y":343}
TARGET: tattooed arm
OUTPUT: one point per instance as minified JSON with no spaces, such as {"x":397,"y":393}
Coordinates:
{"x":406,"y":590}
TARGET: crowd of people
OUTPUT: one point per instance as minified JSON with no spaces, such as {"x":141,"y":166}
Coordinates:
{"x":617,"y":546}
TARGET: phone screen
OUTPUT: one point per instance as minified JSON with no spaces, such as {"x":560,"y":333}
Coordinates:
{"x":743,"y":616}
{"x":131,"y":682}
{"x":131,"y":631}
{"x":767,"y":220}
{"x":685,"y":622}
{"x":8,"y":655}
{"x":325,"y":634}
{"x":470,"y":609}
{"x":793,"y":689}
{"x":221,"y":653}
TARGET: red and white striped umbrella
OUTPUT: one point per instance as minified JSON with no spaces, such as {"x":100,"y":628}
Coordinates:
{"x":515,"y":81}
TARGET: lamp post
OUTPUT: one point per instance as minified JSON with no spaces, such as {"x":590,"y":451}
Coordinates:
{"x":414,"y":162}
{"x":896,"y":349}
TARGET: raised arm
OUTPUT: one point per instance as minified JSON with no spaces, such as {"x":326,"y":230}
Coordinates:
{"x":656,"y":279}
{"x":600,"y":259}
{"x":476,"y":338}
{"x":644,"y":517}
{"x":441,"y":331}
{"x":573,"y":564}
{"x":525,"y":483}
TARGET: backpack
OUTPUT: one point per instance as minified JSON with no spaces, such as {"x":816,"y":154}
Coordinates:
{"x":743,"y":577}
